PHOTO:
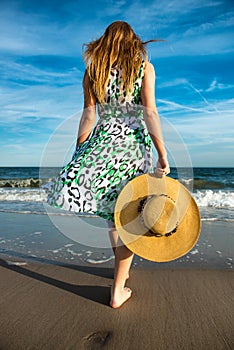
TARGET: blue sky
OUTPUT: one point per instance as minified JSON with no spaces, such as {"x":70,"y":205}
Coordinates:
{"x":41,"y":72}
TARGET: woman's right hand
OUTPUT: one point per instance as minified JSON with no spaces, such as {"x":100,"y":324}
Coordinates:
{"x":162,"y":167}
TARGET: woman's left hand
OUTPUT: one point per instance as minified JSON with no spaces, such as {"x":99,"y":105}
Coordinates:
{"x":162,"y":167}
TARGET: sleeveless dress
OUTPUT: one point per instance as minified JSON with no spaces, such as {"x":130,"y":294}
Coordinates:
{"x":118,"y":149}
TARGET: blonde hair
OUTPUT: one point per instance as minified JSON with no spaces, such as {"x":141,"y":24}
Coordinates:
{"x":119,"y":47}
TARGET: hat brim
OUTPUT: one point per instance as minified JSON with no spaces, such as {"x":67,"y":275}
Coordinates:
{"x":138,"y":238}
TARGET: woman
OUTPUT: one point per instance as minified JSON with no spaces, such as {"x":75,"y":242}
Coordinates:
{"x":119,"y":80}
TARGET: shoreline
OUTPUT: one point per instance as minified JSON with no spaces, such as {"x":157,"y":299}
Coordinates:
{"x":34,"y":238}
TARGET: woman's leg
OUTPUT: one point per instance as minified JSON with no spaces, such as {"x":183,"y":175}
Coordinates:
{"x":113,"y":236}
{"x":123,"y":260}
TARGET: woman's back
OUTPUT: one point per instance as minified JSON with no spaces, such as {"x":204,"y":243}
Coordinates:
{"x":126,"y":108}
{"x":114,"y":92}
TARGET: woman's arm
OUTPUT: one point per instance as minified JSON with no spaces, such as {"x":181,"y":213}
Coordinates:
{"x":88,"y":117}
{"x":152,"y":119}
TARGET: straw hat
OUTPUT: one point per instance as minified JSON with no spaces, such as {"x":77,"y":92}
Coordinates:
{"x":157,"y":218}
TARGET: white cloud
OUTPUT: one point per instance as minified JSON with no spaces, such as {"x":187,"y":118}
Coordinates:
{"x":174,"y":82}
{"x":33,"y":92}
{"x":215,"y":85}
{"x":172,"y":106}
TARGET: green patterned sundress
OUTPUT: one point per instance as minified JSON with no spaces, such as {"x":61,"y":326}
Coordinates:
{"x":118,"y":149}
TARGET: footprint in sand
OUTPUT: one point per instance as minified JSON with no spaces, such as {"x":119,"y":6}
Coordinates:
{"x":96,"y":340}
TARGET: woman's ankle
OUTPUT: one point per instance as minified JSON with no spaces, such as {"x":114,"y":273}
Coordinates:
{"x":118,"y":288}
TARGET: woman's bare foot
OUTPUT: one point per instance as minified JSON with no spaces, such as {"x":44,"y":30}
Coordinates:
{"x":118,"y":298}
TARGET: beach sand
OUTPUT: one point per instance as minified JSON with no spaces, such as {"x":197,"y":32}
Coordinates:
{"x":50,"y":307}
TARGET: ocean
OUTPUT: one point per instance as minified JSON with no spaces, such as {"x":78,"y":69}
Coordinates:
{"x":23,"y":196}
{"x":21,"y":189}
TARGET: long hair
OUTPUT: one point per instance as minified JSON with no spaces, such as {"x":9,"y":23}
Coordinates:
{"x":119,"y":47}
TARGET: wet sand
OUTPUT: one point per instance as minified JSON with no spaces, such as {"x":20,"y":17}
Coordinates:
{"x":56,"y":307}
{"x":35,"y":238}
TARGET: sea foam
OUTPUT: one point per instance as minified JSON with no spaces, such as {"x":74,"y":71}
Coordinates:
{"x":216,"y":199}
{"x":22,"y":195}
{"x":204,"y":198}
